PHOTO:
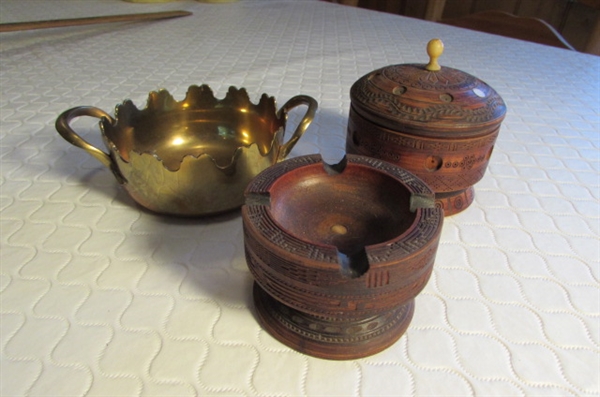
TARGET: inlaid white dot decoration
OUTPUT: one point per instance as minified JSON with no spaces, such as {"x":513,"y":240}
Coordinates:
{"x":478,"y":92}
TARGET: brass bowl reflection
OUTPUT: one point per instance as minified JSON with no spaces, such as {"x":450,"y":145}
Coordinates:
{"x":191,"y":157}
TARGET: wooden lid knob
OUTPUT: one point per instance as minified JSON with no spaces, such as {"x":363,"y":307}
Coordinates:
{"x":435,"y":48}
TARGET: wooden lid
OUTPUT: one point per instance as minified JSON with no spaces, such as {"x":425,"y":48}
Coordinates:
{"x":428,"y":99}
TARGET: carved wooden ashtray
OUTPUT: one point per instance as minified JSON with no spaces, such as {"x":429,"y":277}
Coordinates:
{"x":339,"y":252}
{"x":437,"y":122}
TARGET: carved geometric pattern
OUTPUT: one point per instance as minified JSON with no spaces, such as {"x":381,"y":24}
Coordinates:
{"x":376,"y":93}
{"x":428,"y":223}
{"x":334,"y":330}
{"x":377,"y":278}
{"x":383,"y":137}
{"x":307,"y":276}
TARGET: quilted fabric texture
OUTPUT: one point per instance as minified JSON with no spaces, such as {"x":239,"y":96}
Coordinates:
{"x":99,"y":297}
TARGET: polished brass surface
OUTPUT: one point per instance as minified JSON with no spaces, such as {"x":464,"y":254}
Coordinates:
{"x":195,"y":156}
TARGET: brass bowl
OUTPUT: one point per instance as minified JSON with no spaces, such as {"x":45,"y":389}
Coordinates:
{"x":339,"y":253}
{"x":191,"y":157}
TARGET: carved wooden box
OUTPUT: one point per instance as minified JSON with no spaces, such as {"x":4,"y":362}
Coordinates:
{"x":437,"y":122}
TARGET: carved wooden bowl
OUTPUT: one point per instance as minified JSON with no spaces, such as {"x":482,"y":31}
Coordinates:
{"x":437,"y":122}
{"x":339,"y":252}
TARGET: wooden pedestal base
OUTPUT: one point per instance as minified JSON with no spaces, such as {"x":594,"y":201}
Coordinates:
{"x":455,"y":202}
{"x":331,"y":338}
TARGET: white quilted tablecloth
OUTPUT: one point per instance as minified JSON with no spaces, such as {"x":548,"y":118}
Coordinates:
{"x":102,"y":298}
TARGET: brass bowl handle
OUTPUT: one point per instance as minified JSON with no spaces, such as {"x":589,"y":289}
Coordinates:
{"x":63,"y":126}
{"x":298,"y":100}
